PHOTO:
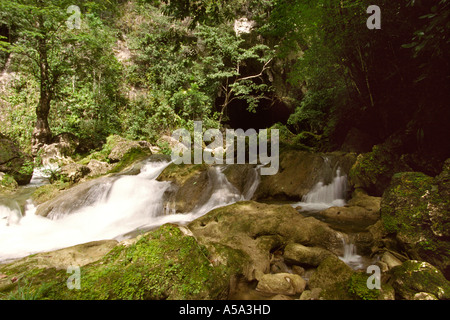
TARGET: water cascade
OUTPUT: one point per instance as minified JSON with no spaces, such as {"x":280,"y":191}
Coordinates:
{"x":324,"y":196}
{"x":350,"y":256}
{"x":112,"y":209}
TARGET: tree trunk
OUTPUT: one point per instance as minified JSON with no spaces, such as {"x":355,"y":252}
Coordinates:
{"x":42,"y":134}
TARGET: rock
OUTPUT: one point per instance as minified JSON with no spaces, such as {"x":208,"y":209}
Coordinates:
{"x":332,"y":275}
{"x":121,"y":146}
{"x":281,"y":283}
{"x":14,"y":162}
{"x":313,"y":294}
{"x":192,"y":186}
{"x":295,"y":253}
{"x":298,"y":270}
{"x":67,"y":143}
{"x":414,"y":277}
{"x":414,"y":209}
{"x":373,"y":171}
{"x":162,"y":264}
{"x":70,"y":200}
{"x":390,"y":260}
{"x":241,"y":176}
{"x":424,"y":296}
{"x":98,"y":168}
{"x":299,"y":173}
{"x":255,"y":230}
{"x":74,"y":172}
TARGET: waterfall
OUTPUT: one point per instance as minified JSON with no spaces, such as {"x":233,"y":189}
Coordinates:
{"x":112,"y":209}
{"x":324,"y":196}
{"x":350,"y":256}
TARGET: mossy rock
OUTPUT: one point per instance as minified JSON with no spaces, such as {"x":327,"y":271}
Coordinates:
{"x":373,"y":170}
{"x":414,"y":276}
{"x":191,"y":185}
{"x":163,"y":264}
{"x":332,"y":276}
{"x":415,"y":208}
{"x":14,"y":162}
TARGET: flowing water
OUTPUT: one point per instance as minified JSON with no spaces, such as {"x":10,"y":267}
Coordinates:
{"x":112,"y":210}
{"x":324,"y":196}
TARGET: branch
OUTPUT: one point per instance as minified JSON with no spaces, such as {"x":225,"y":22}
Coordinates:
{"x":264,"y":68}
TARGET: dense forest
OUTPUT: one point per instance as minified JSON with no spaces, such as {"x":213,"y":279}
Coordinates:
{"x":142,"y":68}
{"x":363,"y":84}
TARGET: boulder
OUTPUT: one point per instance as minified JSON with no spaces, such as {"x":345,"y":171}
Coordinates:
{"x":414,"y":209}
{"x":165,"y":263}
{"x":14,"y":162}
{"x":300,"y":171}
{"x":98,"y":168}
{"x":295,"y":253}
{"x":191,"y":185}
{"x":74,"y":172}
{"x":281,"y":283}
{"x":121,"y":146}
{"x":413,"y":277}
{"x":332,"y":276}
{"x":256,"y":229}
{"x":70,"y":200}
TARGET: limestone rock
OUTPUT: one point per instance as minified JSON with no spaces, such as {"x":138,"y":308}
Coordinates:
{"x":14,"y":162}
{"x":413,"y":277}
{"x":281,"y":283}
{"x":295,"y":253}
{"x":255,"y":229}
{"x":414,"y":209}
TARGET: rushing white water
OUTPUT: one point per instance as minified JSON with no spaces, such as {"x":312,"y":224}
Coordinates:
{"x":121,"y":206}
{"x":351,"y":257}
{"x":323,"y":196}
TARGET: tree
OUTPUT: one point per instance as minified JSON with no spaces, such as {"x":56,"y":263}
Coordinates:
{"x":47,"y":49}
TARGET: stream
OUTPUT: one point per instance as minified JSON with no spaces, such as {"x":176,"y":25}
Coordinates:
{"x":121,"y":207}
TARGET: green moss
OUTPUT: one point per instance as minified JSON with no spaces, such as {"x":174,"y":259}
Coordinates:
{"x":162,"y":264}
{"x":357,"y":287}
{"x":49,"y":191}
{"x":132,"y":156}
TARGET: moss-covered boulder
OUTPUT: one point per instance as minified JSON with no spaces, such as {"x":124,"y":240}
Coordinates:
{"x":413,"y":277}
{"x":373,"y":171}
{"x":14,"y":162}
{"x":257,"y":229}
{"x":166,"y":263}
{"x":415,"y":209}
{"x":120,"y":146}
{"x":332,"y":276}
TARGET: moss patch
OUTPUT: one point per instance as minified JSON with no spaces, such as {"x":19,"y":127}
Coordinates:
{"x":162,"y":264}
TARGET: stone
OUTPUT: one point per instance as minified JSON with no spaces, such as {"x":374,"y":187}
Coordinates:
{"x":332,"y":276}
{"x":294,"y":178}
{"x":74,"y":172}
{"x":281,"y":283}
{"x":414,"y":210}
{"x":390,"y":260}
{"x":413,"y":277}
{"x":255,"y":229}
{"x":98,"y":168}
{"x":424,"y":296}
{"x":295,"y":253}
{"x":15,"y":162}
